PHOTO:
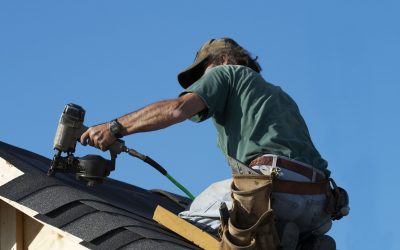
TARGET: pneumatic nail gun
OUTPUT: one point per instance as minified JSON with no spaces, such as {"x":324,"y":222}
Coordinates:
{"x":91,"y":168}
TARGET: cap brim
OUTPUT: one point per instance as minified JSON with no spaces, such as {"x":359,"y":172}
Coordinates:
{"x":193,"y":73}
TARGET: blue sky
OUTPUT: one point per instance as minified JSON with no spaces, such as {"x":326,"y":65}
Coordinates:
{"x":338,"y":59}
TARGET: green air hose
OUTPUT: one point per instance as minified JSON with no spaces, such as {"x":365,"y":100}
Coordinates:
{"x":159,"y":168}
{"x":180,"y":186}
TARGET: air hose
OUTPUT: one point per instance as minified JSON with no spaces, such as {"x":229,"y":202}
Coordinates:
{"x":159,"y":168}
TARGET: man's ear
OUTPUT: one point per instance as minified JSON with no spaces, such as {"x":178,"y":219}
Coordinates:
{"x":225,"y":60}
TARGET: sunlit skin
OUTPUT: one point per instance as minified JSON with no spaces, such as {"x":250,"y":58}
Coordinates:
{"x":152,"y":117}
{"x":155,"y":116}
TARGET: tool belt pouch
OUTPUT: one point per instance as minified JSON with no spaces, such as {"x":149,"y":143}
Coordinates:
{"x":251,"y":222}
{"x":337,"y":201}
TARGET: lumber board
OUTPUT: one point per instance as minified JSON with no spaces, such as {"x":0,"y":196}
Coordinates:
{"x":7,"y":226}
{"x":19,"y":222}
{"x":38,"y":236}
{"x":8,"y":172}
{"x":34,"y":234}
{"x":185,"y":229}
{"x":16,"y":205}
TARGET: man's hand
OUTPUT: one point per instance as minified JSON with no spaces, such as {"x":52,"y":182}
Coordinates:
{"x":98,"y":136}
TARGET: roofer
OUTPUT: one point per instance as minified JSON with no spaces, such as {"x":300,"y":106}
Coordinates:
{"x":257,"y":124}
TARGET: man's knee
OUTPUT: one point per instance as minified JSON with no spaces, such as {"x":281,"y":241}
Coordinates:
{"x":318,"y":242}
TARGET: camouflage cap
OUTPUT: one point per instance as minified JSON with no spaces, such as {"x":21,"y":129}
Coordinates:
{"x":191,"y":74}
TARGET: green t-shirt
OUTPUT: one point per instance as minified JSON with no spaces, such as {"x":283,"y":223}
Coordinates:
{"x":253,"y":117}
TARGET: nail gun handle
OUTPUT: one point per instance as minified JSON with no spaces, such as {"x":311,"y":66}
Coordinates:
{"x":116,"y":148}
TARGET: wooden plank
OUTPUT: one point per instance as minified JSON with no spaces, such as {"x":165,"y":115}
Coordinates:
{"x":185,"y":229}
{"x":8,"y":172}
{"x":38,"y":236}
{"x":31,"y":230}
{"x":19,"y":237}
{"x":7,"y":226}
{"x":16,"y":205}
{"x":18,"y":227}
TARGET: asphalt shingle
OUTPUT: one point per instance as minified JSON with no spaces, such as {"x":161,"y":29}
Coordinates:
{"x":112,"y":215}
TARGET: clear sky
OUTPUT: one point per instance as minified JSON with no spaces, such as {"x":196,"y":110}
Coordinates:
{"x":338,"y":59}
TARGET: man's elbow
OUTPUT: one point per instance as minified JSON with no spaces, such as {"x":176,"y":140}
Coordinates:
{"x":186,"y":106}
{"x":179,"y":115}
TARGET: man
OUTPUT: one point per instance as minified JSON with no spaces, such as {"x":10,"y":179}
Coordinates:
{"x":257,"y":124}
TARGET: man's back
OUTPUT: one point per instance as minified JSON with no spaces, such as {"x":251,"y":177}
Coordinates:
{"x":254,"y":117}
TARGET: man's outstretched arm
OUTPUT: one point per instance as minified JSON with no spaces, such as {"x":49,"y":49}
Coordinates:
{"x":152,"y":117}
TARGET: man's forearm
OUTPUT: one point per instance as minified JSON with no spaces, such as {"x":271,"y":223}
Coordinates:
{"x":152,"y":117}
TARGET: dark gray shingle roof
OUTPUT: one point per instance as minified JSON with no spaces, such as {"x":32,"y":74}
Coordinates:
{"x":113,"y":215}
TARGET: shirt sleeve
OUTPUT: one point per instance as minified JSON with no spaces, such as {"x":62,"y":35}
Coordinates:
{"x":213,"y":87}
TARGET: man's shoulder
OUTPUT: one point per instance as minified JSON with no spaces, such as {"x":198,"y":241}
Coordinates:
{"x":239,"y":76}
{"x":238,"y":72}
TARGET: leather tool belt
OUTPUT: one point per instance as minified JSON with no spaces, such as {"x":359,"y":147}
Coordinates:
{"x":318,"y":184}
{"x":301,"y":188}
{"x":295,"y":166}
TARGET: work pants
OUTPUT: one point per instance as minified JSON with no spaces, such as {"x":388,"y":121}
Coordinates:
{"x":306,"y":212}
